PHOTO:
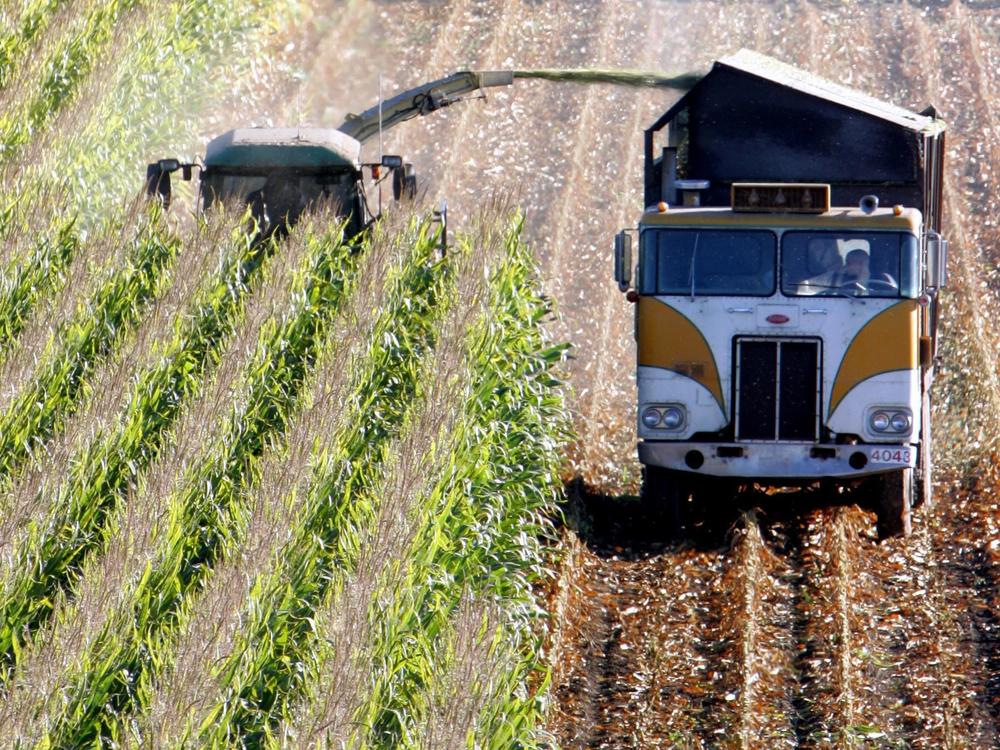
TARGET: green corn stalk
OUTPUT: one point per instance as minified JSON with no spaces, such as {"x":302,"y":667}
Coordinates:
{"x":527,"y":487}
{"x":91,"y":334}
{"x":35,"y":277}
{"x":34,"y":19}
{"x":129,"y":652}
{"x":68,"y":64}
{"x":103,"y":470}
{"x":365,"y":529}
{"x":485,"y":518}
{"x":181,"y":59}
{"x":264,"y":669}
{"x":171,"y":64}
{"x":273,"y":503}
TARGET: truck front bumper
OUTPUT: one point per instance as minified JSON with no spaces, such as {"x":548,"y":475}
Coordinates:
{"x":799,"y":461}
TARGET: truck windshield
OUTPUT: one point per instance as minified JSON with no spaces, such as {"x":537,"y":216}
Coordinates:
{"x":851,"y":264}
{"x":712,"y":262}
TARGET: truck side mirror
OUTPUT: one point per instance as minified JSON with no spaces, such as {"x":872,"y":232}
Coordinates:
{"x":623,"y":260}
{"x":937,"y":261}
{"x":392,"y":161}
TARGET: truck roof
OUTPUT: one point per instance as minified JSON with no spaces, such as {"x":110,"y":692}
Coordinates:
{"x":283,"y":148}
{"x":752,"y":118}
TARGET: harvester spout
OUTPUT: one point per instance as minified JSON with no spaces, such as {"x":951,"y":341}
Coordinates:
{"x":422,"y":100}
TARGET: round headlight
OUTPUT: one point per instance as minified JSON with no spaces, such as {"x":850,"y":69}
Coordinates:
{"x":672,"y":417}
{"x":880,"y":421}
{"x":651,"y":417}
{"x":900,"y":422}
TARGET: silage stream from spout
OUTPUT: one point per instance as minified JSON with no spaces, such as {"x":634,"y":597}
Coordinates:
{"x":633,"y":78}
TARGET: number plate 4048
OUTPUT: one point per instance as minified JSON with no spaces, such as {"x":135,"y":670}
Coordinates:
{"x":890,"y":456}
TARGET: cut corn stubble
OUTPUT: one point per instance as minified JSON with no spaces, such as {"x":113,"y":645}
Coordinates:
{"x":750,"y":569}
{"x":843,"y":667}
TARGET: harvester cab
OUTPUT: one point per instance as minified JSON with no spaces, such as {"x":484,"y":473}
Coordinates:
{"x":280,"y":172}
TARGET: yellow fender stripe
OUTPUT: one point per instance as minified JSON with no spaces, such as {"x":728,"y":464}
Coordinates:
{"x":886,"y":343}
{"x":668,"y":340}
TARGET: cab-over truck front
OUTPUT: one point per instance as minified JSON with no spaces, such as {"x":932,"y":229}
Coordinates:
{"x":786,"y":280}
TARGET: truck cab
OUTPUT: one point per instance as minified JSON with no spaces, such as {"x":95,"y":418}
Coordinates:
{"x":783,"y":338}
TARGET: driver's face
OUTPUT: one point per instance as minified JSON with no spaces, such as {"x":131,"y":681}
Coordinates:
{"x":856,"y":264}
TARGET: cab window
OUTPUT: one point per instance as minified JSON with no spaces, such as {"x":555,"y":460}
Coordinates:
{"x":225,"y":187}
{"x":285,"y":193}
{"x":849,"y":264}
{"x":707,"y":262}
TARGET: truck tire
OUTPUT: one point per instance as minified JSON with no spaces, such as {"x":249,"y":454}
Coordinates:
{"x":893,"y":495}
{"x":664,"y":493}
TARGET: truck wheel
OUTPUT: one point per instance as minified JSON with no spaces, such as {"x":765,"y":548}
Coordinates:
{"x":894,"y":493}
{"x":925,"y":487}
{"x":663,"y":492}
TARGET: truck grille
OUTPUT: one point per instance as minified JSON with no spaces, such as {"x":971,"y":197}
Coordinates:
{"x":777,"y":389}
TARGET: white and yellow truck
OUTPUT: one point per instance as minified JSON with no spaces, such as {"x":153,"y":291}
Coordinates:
{"x":785,"y":275}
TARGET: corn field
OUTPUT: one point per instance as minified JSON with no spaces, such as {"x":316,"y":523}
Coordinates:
{"x":332,"y":492}
{"x":252,"y":493}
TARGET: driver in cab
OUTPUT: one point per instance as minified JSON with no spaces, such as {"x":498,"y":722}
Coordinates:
{"x":849,"y":275}
{"x":855,"y":273}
